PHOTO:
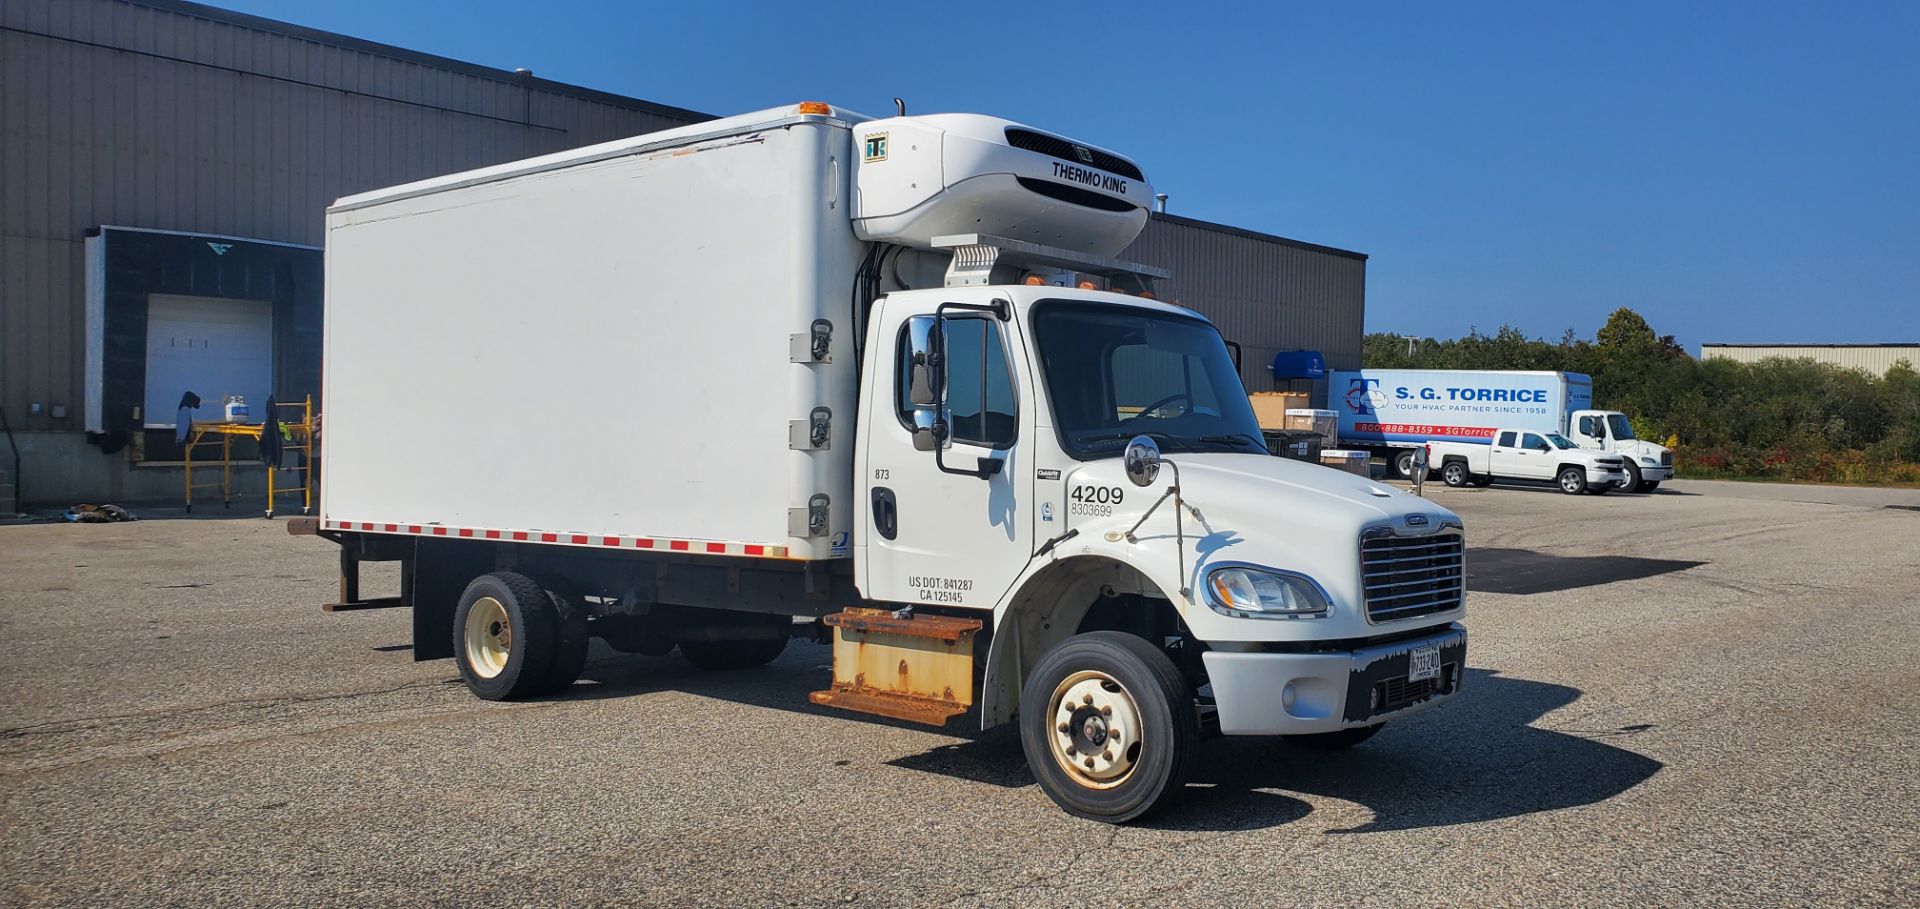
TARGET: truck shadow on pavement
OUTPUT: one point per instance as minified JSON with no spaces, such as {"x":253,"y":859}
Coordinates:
{"x":1524,"y":571}
{"x":1478,"y":758}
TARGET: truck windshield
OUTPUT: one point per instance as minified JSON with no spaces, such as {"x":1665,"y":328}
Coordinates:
{"x":1618,"y":427}
{"x":1113,"y":372}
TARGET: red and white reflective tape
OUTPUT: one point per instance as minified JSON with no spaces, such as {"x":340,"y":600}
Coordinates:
{"x":598,"y":541}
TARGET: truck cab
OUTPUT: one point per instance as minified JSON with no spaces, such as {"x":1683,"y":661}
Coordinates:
{"x":1085,"y":467}
{"x":1528,"y":456}
{"x":1646,"y":464}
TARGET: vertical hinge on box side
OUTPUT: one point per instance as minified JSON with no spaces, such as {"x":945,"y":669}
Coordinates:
{"x":810,"y":521}
{"x":814,"y":345}
{"x":815,"y":433}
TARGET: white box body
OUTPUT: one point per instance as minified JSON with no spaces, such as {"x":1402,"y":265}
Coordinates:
{"x":597,"y":344}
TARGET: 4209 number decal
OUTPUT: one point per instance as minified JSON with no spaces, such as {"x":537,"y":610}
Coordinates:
{"x":1096,"y":501}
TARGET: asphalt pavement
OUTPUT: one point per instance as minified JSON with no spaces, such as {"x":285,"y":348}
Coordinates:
{"x":1703,"y":697}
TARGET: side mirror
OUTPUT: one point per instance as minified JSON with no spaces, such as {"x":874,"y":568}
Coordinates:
{"x":1142,"y":460}
{"x":926,"y":363}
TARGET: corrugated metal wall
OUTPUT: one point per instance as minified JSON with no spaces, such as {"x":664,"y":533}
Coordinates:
{"x":1269,"y":294}
{"x":1873,"y":358}
{"x":172,"y":116}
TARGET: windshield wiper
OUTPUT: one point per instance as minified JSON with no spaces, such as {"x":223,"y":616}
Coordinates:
{"x":1160,"y":437}
{"x":1237,"y":440}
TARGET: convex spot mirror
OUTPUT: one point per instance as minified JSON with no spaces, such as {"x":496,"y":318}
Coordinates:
{"x":1142,"y":460}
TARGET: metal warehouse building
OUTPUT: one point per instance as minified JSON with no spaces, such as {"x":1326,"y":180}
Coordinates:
{"x":1872,"y":358}
{"x":165,"y":168}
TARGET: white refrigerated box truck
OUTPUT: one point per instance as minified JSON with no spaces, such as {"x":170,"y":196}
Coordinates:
{"x":803,"y":370}
{"x":1391,"y":412}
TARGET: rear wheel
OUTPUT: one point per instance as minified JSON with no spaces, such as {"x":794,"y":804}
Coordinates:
{"x":1109,"y":727}
{"x":723,"y":656}
{"x":1402,"y":463}
{"x":1337,"y":740}
{"x":1572,"y":480}
{"x":505,"y":634}
{"x":1455,"y":474}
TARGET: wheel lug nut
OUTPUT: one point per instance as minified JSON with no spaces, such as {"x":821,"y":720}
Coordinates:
{"x":1106,"y":711}
{"x":1065,"y":728}
{"x":1089,"y":763}
{"x":1086,"y":699}
{"x":1072,"y":751}
{"x":1108,"y":756}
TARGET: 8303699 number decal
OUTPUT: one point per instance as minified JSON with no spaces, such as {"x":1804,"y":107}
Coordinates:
{"x":1096,"y":501}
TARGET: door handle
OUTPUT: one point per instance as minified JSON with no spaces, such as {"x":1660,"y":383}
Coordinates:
{"x":886,"y":513}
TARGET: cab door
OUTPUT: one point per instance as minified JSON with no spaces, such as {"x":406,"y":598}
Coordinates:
{"x":945,"y":526}
{"x":1509,"y":458}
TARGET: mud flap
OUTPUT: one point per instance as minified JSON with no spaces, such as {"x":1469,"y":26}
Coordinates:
{"x":914,"y":668}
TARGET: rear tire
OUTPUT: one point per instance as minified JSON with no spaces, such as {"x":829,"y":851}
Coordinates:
{"x":633,"y":634}
{"x":505,"y":631}
{"x":1455,"y":474}
{"x":1572,"y":480}
{"x":1401,"y":464}
{"x":1338,"y":740}
{"x":1109,"y":727}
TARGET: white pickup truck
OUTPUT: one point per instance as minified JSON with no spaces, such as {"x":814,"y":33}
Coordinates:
{"x":1518,"y":454}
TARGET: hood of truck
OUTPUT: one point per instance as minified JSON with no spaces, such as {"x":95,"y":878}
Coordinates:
{"x":1259,"y":510}
{"x":1639,"y":448}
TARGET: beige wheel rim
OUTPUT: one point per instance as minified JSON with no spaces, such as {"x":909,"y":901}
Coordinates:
{"x":1095,"y":729}
{"x":489,"y":637}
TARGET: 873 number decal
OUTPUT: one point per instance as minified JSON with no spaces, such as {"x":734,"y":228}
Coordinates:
{"x":1096,"y":501}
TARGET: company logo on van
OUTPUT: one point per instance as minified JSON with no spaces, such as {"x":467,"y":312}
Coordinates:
{"x":1362,"y":395}
{"x":875,"y":148}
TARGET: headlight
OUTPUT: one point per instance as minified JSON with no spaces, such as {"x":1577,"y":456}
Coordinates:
{"x":1649,"y":462}
{"x":1252,"y":593}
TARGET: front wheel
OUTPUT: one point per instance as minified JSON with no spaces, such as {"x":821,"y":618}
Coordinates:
{"x":1337,"y":740}
{"x":1632,"y":482}
{"x":1573,"y":480}
{"x":1109,"y":727}
{"x":1649,"y":485}
{"x":1456,"y":475}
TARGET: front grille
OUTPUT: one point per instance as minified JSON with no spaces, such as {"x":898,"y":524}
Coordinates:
{"x":1056,"y":147}
{"x":1666,"y":459}
{"x":1412,"y":576}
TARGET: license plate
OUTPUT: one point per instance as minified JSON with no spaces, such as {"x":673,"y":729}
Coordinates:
{"x":1423,"y":663}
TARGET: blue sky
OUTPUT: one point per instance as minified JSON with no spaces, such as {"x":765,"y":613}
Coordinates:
{"x":1738,"y":172}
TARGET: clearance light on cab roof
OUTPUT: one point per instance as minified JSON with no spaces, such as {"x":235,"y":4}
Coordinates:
{"x":1089,"y":285}
{"x":1035,"y":281}
{"x":816,"y":107}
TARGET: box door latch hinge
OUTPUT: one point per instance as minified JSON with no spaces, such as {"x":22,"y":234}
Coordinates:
{"x":810,"y":521}
{"x":815,"y":433}
{"x":812,"y":346}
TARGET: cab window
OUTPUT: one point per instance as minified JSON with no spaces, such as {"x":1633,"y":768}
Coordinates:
{"x":1534,"y":442}
{"x":1506,"y":440}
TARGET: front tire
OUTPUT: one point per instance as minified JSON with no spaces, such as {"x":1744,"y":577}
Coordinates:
{"x":1633,"y":482}
{"x":1109,"y":727}
{"x":1456,"y":475}
{"x":1572,"y":480}
{"x":505,"y":634}
{"x":1338,"y":740}
{"x":1649,"y":485}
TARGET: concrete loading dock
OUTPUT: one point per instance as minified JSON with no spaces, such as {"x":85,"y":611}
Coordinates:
{"x":179,"y":718}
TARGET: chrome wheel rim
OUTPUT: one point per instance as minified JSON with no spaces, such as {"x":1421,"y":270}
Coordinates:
{"x":1569,"y":482}
{"x":489,"y":637}
{"x":1094,"y":729}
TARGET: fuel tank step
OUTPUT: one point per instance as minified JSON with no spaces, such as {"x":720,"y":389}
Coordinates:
{"x":907,"y":667}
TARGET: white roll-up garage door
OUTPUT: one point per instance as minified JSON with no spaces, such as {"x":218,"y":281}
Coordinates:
{"x":210,"y":346}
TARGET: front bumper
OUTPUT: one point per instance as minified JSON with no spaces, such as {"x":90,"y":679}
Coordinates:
{"x":1655,"y":474}
{"x":1299,"y":693}
{"x":1601,"y":476}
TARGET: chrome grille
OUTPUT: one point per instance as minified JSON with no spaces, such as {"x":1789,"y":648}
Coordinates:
{"x":1412,"y":576}
{"x":1666,"y":459}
